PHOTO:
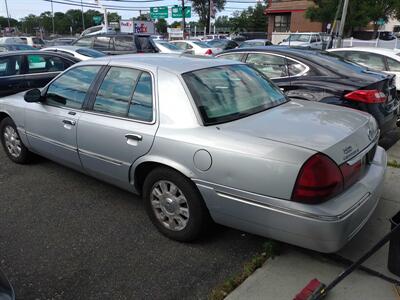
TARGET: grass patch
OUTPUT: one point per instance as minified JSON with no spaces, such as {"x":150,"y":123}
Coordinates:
{"x":393,"y":163}
{"x":270,"y":249}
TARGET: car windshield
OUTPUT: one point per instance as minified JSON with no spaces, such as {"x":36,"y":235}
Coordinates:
{"x":299,"y":38}
{"x":169,"y":46}
{"x":231,"y":92}
{"x":201,"y":44}
{"x":90,"y":52}
{"x":252,"y":44}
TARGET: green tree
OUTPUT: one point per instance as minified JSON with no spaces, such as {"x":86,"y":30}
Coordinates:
{"x":257,"y":20}
{"x":359,"y":13}
{"x":202,"y":8}
{"x":4,"y":22}
{"x":161,"y":26}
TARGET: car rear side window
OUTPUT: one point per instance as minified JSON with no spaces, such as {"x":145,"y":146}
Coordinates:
{"x":232,"y":56}
{"x":271,"y":66}
{"x":295,"y":68}
{"x":116,"y":91}
{"x":10,"y":65}
{"x":103,"y":43}
{"x":124,"y":43}
{"x":70,"y":88}
{"x":141,"y":106}
{"x":38,"y":63}
{"x":85,"y":42}
{"x":370,"y":60}
{"x":393,"y":65}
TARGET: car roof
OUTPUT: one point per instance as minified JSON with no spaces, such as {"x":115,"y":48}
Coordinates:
{"x":64,"y":47}
{"x":296,"y":51}
{"x":384,"y":51}
{"x":257,"y":40}
{"x":177,"y":64}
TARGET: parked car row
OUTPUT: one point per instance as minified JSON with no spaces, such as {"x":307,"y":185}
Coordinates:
{"x":214,"y":140}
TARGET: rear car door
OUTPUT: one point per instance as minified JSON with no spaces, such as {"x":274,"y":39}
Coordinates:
{"x":43,"y":67}
{"x":120,"y":126}
{"x":104,"y":44}
{"x":271,"y":65}
{"x":51,"y":124}
{"x":11,"y":75}
{"x":85,"y":42}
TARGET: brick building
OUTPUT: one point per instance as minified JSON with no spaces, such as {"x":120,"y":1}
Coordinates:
{"x":289,"y":16}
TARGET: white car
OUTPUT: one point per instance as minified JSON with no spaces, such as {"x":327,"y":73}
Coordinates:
{"x":80,"y":53}
{"x":310,"y":40}
{"x":196,"y":47}
{"x":166,"y":47}
{"x":32,"y":41}
{"x":381,"y":59}
{"x":11,"y":40}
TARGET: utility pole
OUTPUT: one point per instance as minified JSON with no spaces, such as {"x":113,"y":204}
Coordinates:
{"x":8,"y":16}
{"x":211,"y":4}
{"x":52,"y":15}
{"x":342,"y":23}
{"x":83,"y":17}
{"x":183,"y":19}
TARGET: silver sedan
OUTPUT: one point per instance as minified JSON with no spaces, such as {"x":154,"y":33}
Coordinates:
{"x":206,"y":140}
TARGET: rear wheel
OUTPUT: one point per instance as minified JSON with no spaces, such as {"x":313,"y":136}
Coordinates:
{"x":12,"y":143}
{"x":174,"y":205}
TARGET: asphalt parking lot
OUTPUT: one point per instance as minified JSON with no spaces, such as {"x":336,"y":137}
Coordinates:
{"x":65,"y":235}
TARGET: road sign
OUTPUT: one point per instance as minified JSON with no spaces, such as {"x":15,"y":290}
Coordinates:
{"x":160,"y":12}
{"x":177,"y":12}
{"x":380,"y":22}
{"x":97,"y":19}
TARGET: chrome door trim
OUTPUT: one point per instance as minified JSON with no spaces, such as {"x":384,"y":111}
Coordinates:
{"x":102,"y":157}
{"x":51,"y":141}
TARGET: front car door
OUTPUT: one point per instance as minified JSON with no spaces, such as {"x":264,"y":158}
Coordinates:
{"x":51,"y":124}
{"x":271,"y":65}
{"x":120,"y":126}
{"x":12,"y":75}
{"x":43,"y":67}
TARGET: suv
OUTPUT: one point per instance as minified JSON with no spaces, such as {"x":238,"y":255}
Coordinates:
{"x":118,"y":43}
{"x":310,"y":40}
{"x":32,"y":41}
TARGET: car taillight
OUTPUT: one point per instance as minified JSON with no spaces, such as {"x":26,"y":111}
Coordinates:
{"x":367,"y":96}
{"x":319,"y":179}
{"x":351,"y":173}
{"x":208,"y":52}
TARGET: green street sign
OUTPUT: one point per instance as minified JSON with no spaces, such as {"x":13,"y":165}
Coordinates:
{"x":380,"y":22}
{"x":97,"y":19}
{"x":160,"y":12}
{"x":177,"y":12}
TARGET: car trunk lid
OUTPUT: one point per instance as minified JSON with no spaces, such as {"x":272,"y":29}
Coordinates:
{"x":338,"y":132}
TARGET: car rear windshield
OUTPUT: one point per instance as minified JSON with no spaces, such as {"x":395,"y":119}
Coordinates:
{"x":169,"y":46}
{"x":90,"y":52}
{"x":227,"y":93}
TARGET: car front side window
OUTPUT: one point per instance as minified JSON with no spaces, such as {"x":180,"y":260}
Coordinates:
{"x":70,"y":89}
{"x":271,"y":66}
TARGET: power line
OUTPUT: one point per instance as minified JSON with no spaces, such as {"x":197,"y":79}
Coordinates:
{"x":97,"y":7}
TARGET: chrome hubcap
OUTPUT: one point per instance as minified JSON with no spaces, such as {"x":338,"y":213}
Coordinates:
{"x":170,"y":205}
{"x":12,"y":141}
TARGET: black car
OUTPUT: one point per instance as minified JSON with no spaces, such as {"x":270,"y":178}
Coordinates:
{"x":224,"y":44}
{"x":112,"y":44}
{"x":325,"y":77}
{"x":386,"y":36}
{"x":6,"y":290}
{"x":24,"y":70}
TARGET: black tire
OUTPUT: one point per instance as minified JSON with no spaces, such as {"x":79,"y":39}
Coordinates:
{"x":24,"y":156}
{"x":199,"y":218}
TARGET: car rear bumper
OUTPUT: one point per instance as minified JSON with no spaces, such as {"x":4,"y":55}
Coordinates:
{"x":313,"y":226}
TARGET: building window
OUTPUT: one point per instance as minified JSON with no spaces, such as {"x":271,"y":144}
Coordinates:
{"x":282,"y":23}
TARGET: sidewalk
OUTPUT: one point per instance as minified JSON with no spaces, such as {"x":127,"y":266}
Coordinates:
{"x":286,"y":275}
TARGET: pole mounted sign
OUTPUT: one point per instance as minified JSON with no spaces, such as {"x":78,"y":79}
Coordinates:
{"x":177,"y":12}
{"x":97,"y":19}
{"x":380,"y":22}
{"x":160,"y":12}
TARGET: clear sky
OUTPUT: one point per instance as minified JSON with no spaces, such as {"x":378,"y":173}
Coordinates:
{"x":20,"y":8}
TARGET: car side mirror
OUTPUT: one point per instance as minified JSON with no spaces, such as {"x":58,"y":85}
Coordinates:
{"x":33,"y":95}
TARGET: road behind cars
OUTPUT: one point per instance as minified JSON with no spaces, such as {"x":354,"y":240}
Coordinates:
{"x":65,"y":235}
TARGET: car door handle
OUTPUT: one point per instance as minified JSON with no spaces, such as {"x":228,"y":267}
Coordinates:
{"x":133,"y":136}
{"x":69,"y":122}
